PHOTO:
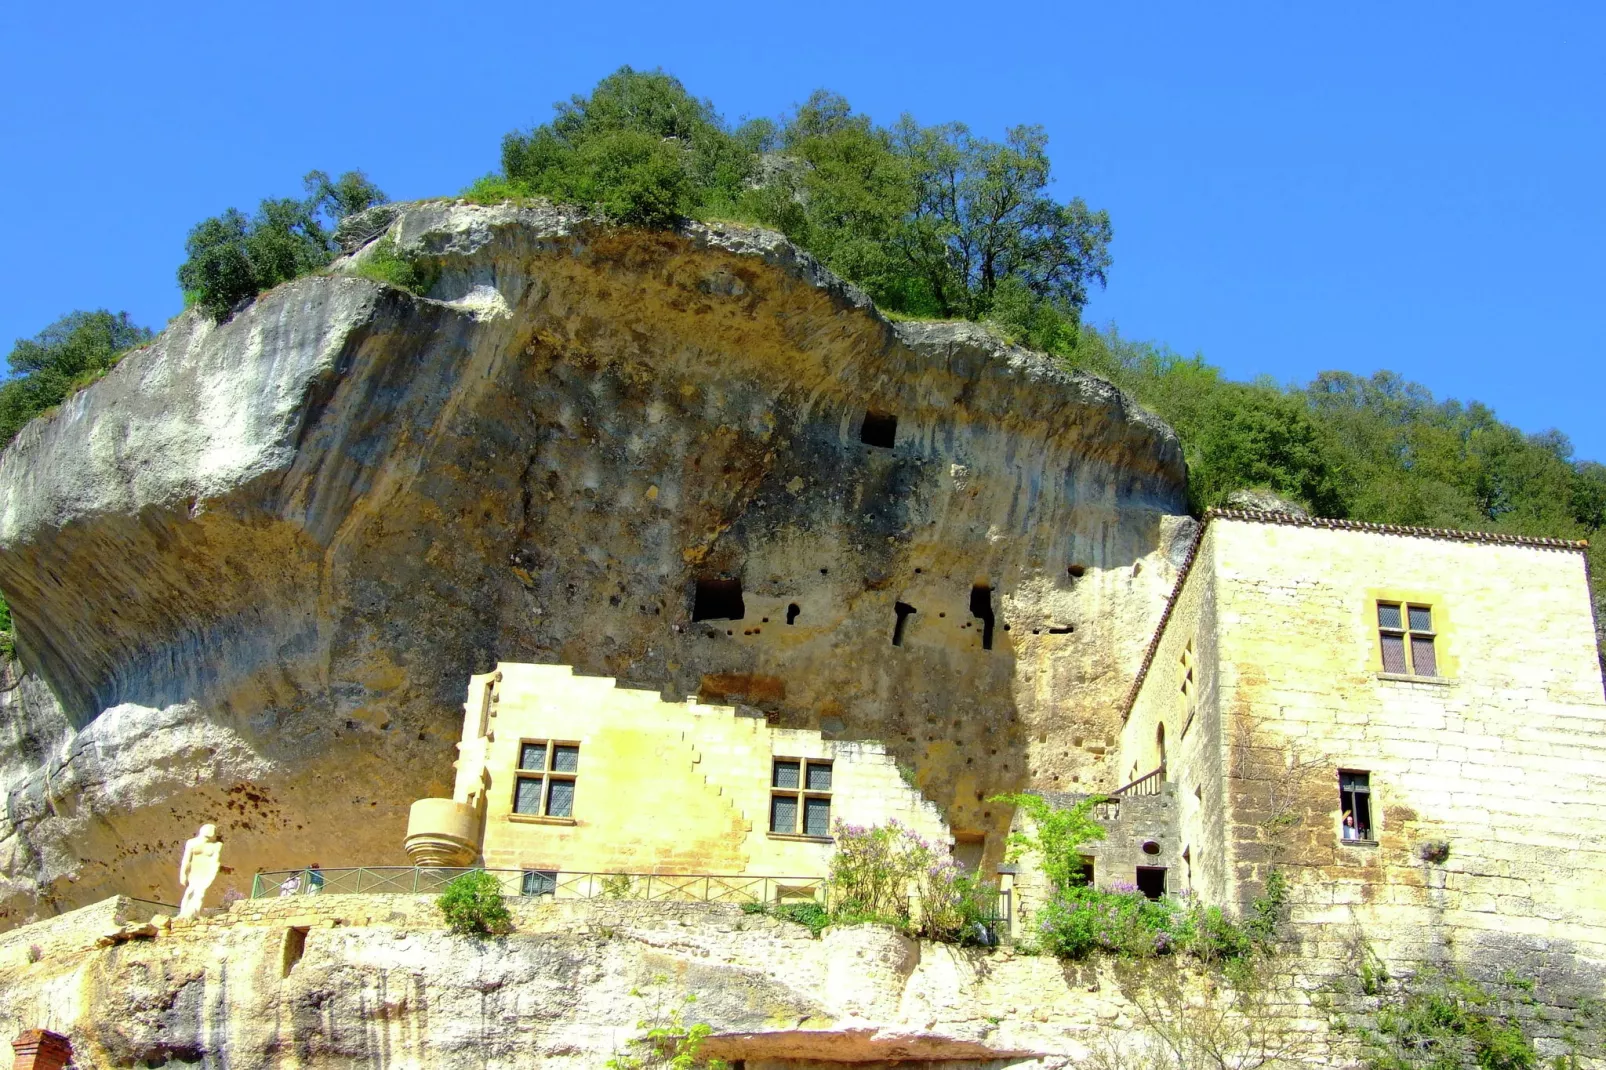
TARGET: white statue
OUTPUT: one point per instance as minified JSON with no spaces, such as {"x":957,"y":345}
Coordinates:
{"x":198,"y":869}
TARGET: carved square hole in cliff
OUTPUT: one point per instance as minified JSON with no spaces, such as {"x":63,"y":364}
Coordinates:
{"x":981,"y":607}
{"x":879,"y":429}
{"x":295,"y":945}
{"x":718,"y":600}
{"x":904,"y":611}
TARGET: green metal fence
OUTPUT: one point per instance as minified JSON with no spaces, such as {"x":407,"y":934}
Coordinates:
{"x":652,"y":887}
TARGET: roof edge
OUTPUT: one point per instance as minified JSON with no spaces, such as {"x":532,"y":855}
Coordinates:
{"x":1452,"y":534}
{"x":1251,"y":516}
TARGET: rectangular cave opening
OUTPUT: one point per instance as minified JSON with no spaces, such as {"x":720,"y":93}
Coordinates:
{"x":295,"y":945}
{"x":904,"y":611}
{"x":718,"y":600}
{"x":879,"y":429}
{"x":1151,"y":881}
{"x":981,"y":607}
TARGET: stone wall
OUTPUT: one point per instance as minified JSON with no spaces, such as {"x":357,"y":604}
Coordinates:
{"x":1488,"y":781}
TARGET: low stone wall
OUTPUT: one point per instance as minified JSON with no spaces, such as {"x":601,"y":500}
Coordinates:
{"x":373,"y":980}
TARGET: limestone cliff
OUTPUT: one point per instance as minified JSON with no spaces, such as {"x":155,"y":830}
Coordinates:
{"x":373,"y":981}
{"x":252,"y":569}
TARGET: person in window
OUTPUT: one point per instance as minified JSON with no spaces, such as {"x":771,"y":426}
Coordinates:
{"x":1350,"y":831}
{"x":314,"y":880}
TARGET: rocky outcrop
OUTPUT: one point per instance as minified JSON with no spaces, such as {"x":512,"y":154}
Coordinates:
{"x":252,"y":568}
{"x":356,"y":980}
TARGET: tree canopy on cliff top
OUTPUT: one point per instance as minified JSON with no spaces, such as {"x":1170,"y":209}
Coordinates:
{"x":929,"y":220}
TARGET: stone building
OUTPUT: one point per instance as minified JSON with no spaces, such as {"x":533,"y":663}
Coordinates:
{"x":1408,"y":722}
{"x":569,"y":779}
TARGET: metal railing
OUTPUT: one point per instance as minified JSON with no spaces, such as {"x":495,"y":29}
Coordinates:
{"x":1001,"y":905}
{"x":647,"y":887}
{"x":1147,"y":784}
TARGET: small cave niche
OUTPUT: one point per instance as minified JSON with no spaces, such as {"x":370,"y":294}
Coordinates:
{"x":718,"y":600}
{"x":295,"y":945}
{"x":792,"y":613}
{"x":904,"y":611}
{"x":880,"y":429}
{"x":981,"y":607}
{"x":1077,"y":571}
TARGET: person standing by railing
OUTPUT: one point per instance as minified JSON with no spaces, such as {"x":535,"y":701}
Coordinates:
{"x":314,"y":879}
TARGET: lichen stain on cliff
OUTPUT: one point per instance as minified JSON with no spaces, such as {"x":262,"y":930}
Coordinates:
{"x":290,"y":538}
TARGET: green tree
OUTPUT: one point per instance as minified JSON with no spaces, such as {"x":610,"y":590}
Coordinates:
{"x":934,"y":220}
{"x":1251,"y":436}
{"x":982,"y":216}
{"x":231,"y":258}
{"x":640,"y":148}
{"x":71,"y":352}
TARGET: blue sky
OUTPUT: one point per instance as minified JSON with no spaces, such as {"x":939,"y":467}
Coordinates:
{"x":1294,"y":187}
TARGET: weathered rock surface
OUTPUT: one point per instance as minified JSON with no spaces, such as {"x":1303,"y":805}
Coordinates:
{"x":252,"y":568}
{"x":374,"y":981}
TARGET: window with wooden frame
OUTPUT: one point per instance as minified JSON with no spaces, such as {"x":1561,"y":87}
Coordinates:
{"x":1405,"y":632}
{"x":1355,"y":800}
{"x":1188,"y":687}
{"x":547,"y":773}
{"x":800,"y":797}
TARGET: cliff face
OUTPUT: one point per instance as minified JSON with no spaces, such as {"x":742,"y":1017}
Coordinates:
{"x":252,"y":569}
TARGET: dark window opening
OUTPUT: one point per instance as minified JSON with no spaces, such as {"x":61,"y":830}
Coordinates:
{"x":981,"y":607}
{"x":904,"y":611}
{"x":540,"y":882}
{"x":879,"y":429}
{"x":792,"y":613}
{"x":1355,"y":798}
{"x":800,"y":797}
{"x":545,"y":785}
{"x":1087,"y":871}
{"x":718,"y":600}
{"x":295,"y":945}
{"x":1151,"y":881}
{"x":1404,"y":627}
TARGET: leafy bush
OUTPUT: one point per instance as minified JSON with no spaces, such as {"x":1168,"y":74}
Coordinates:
{"x":384,"y":264}
{"x":876,"y":868}
{"x":1445,"y":1021}
{"x":808,"y":913}
{"x":667,"y":1041}
{"x":1122,"y":921}
{"x":69,"y":354}
{"x":472,"y":905}
{"x":232,"y":258}
{"x":872,"y":869}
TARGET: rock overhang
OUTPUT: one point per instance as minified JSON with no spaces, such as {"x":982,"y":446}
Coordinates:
{"x":293,"y":535}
